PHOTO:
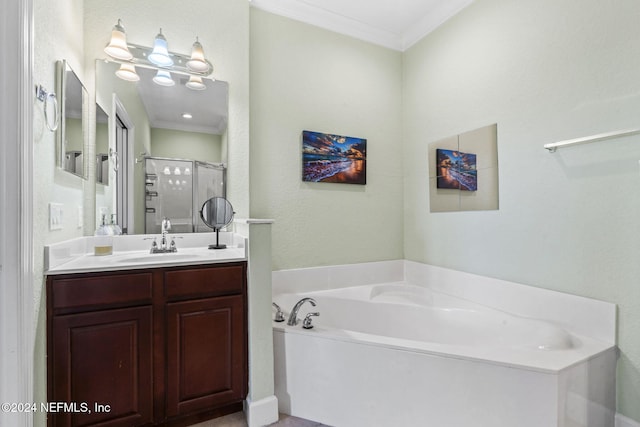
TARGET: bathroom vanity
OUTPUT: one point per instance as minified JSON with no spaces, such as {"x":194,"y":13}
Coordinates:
{"x":162,"y":342}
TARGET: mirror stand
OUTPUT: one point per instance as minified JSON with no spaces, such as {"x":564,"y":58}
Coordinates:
{"x":218,"y":245}
{"x":216,"y":213}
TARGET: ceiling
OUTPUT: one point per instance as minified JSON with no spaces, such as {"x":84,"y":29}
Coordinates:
{"x":396,"y":24}
{"x":165,"y":105}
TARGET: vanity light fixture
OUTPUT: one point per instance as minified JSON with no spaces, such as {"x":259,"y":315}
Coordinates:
{"x":128,"y":72}
{"x":158,"y":58}
{"x":160,"y":54}
{"x":163,"y":78}
{"x":117,"y":47}
{"x":187,"y":116}
{"x":197,"y":61}
{"x":196,"y":83}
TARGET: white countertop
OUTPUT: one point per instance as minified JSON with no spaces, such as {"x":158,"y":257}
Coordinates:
{"x":132,"y":252}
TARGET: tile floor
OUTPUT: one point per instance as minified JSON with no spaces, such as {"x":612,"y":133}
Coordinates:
{"x":238,"y":420}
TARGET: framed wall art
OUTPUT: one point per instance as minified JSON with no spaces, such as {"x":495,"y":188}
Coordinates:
{"x":333,"y":158}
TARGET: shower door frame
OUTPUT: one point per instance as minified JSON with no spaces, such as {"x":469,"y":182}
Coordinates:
{"x":196,"y":211}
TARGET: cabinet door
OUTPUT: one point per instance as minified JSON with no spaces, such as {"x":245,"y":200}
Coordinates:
{"x":206,"y":354}
{"x":103,"y":358}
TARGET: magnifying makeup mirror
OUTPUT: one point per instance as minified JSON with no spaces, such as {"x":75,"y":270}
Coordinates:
{"x":217,"y":213}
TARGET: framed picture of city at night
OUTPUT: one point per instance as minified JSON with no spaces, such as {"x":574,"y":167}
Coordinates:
{"x":456,"y":170}
{"x":333,"y":158}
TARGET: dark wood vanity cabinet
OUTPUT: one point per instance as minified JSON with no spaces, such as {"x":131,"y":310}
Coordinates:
{"x":165,"y":346}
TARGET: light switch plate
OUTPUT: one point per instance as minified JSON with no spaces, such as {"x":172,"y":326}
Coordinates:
{"x":56,"y":213}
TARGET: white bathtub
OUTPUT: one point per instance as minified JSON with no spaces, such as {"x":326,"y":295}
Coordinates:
{"x":398,"y":354}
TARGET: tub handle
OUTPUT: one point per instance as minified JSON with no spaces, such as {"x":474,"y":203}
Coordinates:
{"x":306,"y":323}
{"x":279,"y":314}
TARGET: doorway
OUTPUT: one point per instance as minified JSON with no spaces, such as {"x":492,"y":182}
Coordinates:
{"x":122,"y":179}
{"x":122,"y":158}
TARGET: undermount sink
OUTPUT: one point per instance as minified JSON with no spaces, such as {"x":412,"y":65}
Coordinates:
{"x":169,"y":257}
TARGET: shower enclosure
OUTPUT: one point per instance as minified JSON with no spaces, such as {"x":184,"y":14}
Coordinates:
{"x":176,"y":189}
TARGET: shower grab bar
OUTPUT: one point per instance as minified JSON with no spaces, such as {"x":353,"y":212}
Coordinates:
{"x":552,"y":147}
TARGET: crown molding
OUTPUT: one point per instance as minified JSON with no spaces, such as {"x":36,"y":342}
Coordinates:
{"x":319,"y":17}
{"x":436,"y":17}
{"x":322,"y":18}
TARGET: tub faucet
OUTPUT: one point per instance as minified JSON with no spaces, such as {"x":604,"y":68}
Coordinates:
{"x":293,"y":317}
{"x":279,"y":314}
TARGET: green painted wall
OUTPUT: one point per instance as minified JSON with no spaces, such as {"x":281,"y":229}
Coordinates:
{"x":306,"y":78}
{"x":544,"y":71}
{"x":177,"y":144}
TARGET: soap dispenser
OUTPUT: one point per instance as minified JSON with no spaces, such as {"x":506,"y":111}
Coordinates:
{"x":114,"y":226}
{"x":103,"y":240}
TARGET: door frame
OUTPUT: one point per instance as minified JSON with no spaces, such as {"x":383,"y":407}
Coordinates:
{"x":118,"y":112}
{"x":17,"y":322}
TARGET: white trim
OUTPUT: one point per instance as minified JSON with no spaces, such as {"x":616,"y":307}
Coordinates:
{"x":262,"y":412}
{"x":17,"y":323}
{"x":329,"y":20}
{"x":438,"y":16}
{"x":622,"y":421}
{"x":301,"y":11}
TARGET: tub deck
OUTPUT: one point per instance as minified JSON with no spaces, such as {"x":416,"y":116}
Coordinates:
{"x":436,"y":347}
{"x":406,"y":317}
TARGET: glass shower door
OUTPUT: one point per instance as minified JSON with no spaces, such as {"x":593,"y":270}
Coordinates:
{"x":209,"y":182}
{"x":168,"y":194}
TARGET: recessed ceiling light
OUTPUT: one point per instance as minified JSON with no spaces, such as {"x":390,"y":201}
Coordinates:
{"x":187,"y":116}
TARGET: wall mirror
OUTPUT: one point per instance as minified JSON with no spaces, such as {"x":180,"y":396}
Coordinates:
{"x":73,"y":123}
{"x":176,"y":131}
{"x":463,"y":171}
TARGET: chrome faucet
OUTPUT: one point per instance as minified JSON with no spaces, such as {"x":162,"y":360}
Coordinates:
{"x":293,"y":317}
{"x":164,"y":227}
{"x":279,"y":314}
{"x":164,"y":246}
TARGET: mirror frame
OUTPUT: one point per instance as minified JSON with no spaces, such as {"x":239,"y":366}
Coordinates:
{"x":63,"y":70}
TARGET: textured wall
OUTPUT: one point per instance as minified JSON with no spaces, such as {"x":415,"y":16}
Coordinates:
{"x":544,"y":71}
{"x":55,"y":37}
{"x":306,"y":78}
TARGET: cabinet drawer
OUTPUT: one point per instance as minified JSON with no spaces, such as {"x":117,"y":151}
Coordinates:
{"x":209,"y":281}
{"x":113,"y":289}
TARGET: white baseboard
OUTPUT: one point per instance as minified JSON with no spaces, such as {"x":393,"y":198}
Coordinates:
{"x":261,"y":412}
{"x":622,"y":421}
